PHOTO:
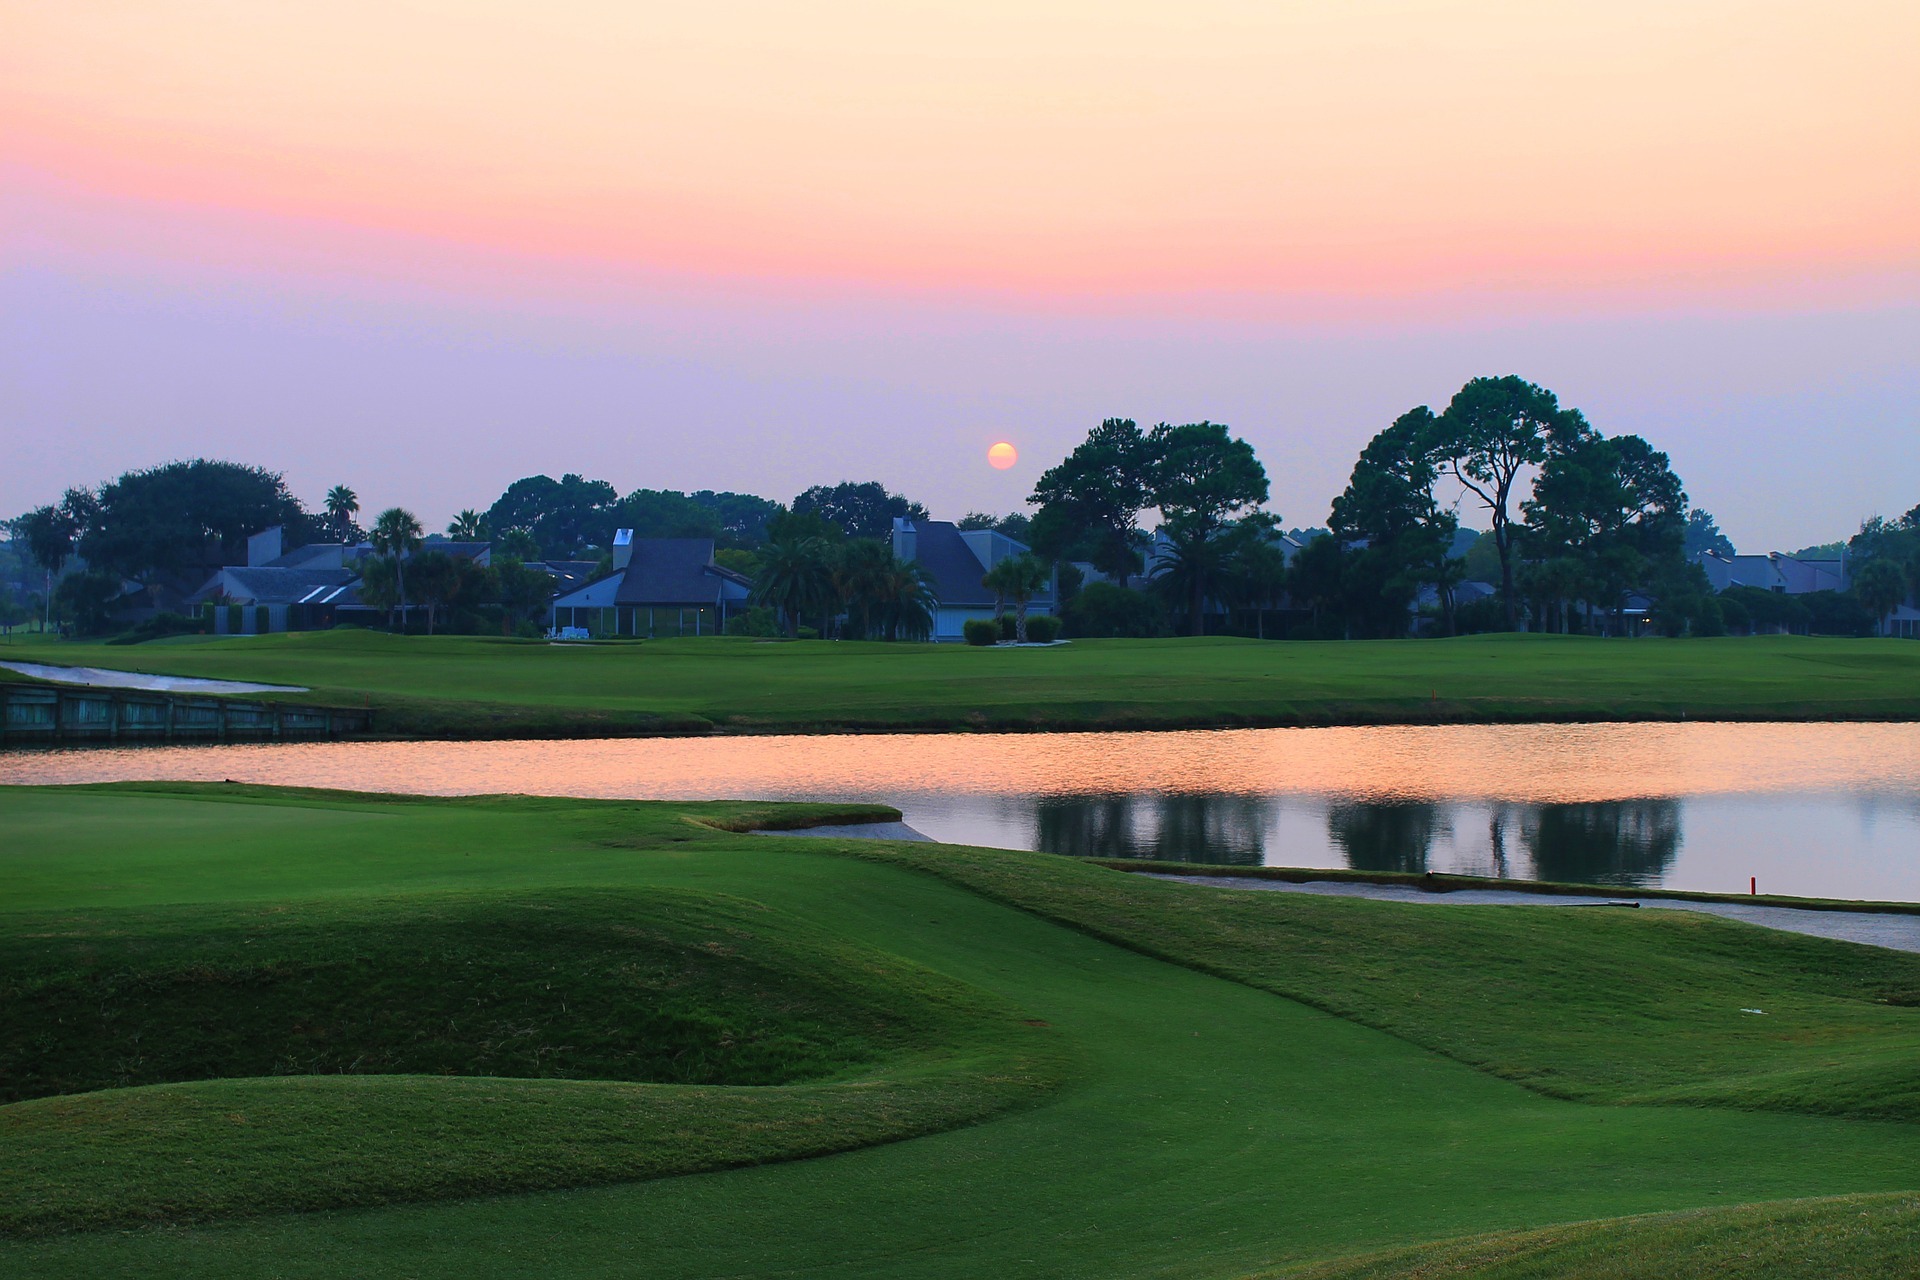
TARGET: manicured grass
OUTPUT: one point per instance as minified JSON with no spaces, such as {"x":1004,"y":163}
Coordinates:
{"x":1200,"y":1127}
{"x":1592,"y":1005}
{"x":474,"y":687}
{"x":1857,"y":1237}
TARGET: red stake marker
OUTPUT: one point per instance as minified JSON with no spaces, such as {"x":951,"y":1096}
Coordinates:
{"x":1753,"y":886}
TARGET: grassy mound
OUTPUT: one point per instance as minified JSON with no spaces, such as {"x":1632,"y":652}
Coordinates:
{"x":1842,"y":1238}
{"x":347,"y":1025}
{"x":677,"y":987}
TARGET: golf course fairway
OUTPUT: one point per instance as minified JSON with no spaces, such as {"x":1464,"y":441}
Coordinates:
{"x":479,"y":687}
{"x":1044,"y":1068}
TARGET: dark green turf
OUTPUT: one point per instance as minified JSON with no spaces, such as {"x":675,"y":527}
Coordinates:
{"x":1846,"y":1238}
{"x":455,"y":686}
{"x":1206,"y":1128}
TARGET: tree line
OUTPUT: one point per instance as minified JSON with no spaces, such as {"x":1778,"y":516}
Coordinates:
{"x":1578,"y":523}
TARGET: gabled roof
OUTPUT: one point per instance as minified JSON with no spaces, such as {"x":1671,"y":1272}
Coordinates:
{"x":954,"y":560}
{"x":567,"y":574}
{"x":1773,"y":572}
{"x":313,"y":555}
{"x":667,"y":571}
{"x":266,"y":584}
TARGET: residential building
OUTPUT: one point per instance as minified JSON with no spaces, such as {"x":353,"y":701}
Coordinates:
{"x":1774,"y":571}
{"x":658,"y":587}
{"x":956,"y":560}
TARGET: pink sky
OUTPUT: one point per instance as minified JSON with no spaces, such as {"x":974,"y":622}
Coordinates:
{"x":426,"y":248}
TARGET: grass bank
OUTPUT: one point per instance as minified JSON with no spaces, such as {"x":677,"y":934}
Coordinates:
{"x":467,"y":687}
{"x":1195,"y":1123}
{"x":1440,"y":883}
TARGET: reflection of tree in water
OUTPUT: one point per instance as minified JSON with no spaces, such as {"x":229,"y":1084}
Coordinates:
{"x":1087,"y":826}
{"x":1608,"y":842}
{"x":1384,"y":837}
{"x":1177,"y":828}
{"x":1201,"y":828}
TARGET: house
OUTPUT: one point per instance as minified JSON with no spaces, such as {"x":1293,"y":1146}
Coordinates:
{"x":309,"y":588}
{"x":956,"y":561}
{"x":1787,"y":575}
{"x":264,"y":598}
{"x":658,"y":587}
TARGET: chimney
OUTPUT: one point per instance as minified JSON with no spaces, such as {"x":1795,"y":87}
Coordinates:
{"x":906,"y":539}
{"x":265,"y":546}
{"x":622,"y":548}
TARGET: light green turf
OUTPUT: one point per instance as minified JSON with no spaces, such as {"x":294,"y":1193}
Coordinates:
{"x":1209,"y":1128}
{"x":466,"y":686}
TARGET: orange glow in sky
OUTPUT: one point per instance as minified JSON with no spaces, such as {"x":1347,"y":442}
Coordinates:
{"x":1002,"y":456}
{"x":1377,"y":148}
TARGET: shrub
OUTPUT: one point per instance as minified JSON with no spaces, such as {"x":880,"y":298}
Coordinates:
{"x":806,"y":633}
{"x":1103,"y":609}
{"x":981,"y":631}
{"x":757,"y":621}
{"x":1009,"y":631}
{"x":1738,"y":620}
{"x":1833,"y":613}
{"x":1043,"y":628}
{"x":1478,"y":616}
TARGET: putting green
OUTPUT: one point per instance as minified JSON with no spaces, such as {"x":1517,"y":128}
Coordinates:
{"x":1205,"y":1129}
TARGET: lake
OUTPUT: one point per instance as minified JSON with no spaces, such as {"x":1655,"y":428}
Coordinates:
{"x":1827,"y":810}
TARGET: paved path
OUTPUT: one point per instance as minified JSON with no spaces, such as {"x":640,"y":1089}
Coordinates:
{"x":100,"y":679}
{"x":1875,"y":928}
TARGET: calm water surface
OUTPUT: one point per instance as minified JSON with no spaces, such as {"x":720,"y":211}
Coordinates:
{"x":1824,"y":809}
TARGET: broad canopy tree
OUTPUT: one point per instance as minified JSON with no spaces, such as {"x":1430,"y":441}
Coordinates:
{"x":1208,"y":486}
{"x":1493,"y":430}
{"x":187,"y":517}
{"x":1090,"y":503}
{"x":859,"y":509}
{"x":1395,"y":536}
{"x":1606,"y":513}
{"x":567,"y":517}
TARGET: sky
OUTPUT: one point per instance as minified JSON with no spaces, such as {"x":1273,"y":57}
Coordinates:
{"x":426,"y":248}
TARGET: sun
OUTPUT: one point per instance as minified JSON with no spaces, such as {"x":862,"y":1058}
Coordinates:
{"x":1002,"y":455}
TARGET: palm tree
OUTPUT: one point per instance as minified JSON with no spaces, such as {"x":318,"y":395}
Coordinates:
{"x":342,"y":504}
{"x":436,"y":580}
{"x":906,"y":599}
{"x":469,"y":526}
{"x":794,"y":576}
{"x":1881,"y":587}
{"x":1018,"y":578}
{"x":862,"y":578}
{"x":396,"y":534}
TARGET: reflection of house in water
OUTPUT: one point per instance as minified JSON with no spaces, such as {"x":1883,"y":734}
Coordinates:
{"x":1609,"y":842}
{"x":1385,"y":837}
{"x":1230,"y":830}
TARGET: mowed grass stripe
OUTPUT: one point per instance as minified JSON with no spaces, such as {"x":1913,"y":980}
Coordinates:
{"x":463,"y":686}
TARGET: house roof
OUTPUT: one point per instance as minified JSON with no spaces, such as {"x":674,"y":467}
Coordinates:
{"x":266,"y":584}
{"x":567,"y":574}
{"x":313,"y":555}
{"x":957,"y":561}
{"x":672,"y":571}
{"x":1774,"y":572}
